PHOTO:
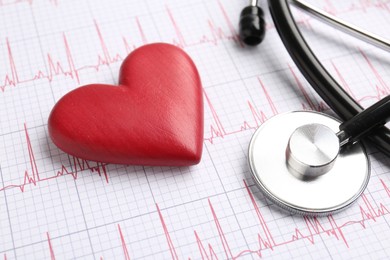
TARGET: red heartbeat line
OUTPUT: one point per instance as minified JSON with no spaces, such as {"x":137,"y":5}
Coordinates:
{"x":124,"y":247}
{"x":329,"y":7}
{"x":123,"y":242}
{"x":55,"y":67}
{"x":313,"y":224}
{"x":313,"y":227}
{"x":29,"y":2}
{"x":217,"y":130}
{"x":362,"y":6}
{"x":78,"y":165}
{"x":259,"y":117}
{"x":52,"y":256}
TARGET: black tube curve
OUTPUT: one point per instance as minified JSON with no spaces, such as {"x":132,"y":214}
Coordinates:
{"x":318,"y":77}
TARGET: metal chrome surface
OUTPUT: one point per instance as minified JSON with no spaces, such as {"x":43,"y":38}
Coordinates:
{"x":253,"y":2}
{"x":322,"y":195}
{"x":344,"y":26}
{"x":312,"y":150}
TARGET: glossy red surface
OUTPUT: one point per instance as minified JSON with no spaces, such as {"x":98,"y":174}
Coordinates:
{"x":154,"y":116}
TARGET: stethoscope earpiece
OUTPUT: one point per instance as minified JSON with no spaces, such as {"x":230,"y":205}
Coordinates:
{"x":252,"y":24}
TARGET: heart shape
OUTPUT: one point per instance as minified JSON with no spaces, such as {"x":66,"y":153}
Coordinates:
{"x":154,"y":116}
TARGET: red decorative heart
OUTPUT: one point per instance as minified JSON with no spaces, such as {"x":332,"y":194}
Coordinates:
{"x":154,"y":116}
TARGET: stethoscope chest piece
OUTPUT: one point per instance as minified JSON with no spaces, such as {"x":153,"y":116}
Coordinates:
{"x":296,"y":161}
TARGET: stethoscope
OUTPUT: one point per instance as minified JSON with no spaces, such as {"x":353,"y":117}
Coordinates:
{"x":308,"y":162}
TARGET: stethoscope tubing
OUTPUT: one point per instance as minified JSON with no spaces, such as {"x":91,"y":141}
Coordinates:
{"x":318,"y":77}
{"x":342,"y":25}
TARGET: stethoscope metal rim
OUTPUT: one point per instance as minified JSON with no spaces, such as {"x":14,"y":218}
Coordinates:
{"x":361,"y":171}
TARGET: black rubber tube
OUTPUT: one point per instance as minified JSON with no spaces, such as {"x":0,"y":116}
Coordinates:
{"x":318,"y":77}
{"x":370,"y":118}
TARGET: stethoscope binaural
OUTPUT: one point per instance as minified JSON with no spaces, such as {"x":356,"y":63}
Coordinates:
{"x":308,"y":162}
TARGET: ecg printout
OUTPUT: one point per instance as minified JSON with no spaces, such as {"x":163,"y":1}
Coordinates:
{"x":55,"y":206}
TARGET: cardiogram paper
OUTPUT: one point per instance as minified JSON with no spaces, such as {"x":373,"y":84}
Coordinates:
{"x":55,"y":206}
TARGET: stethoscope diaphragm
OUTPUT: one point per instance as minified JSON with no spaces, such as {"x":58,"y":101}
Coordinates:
{"x":293,"y":160}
